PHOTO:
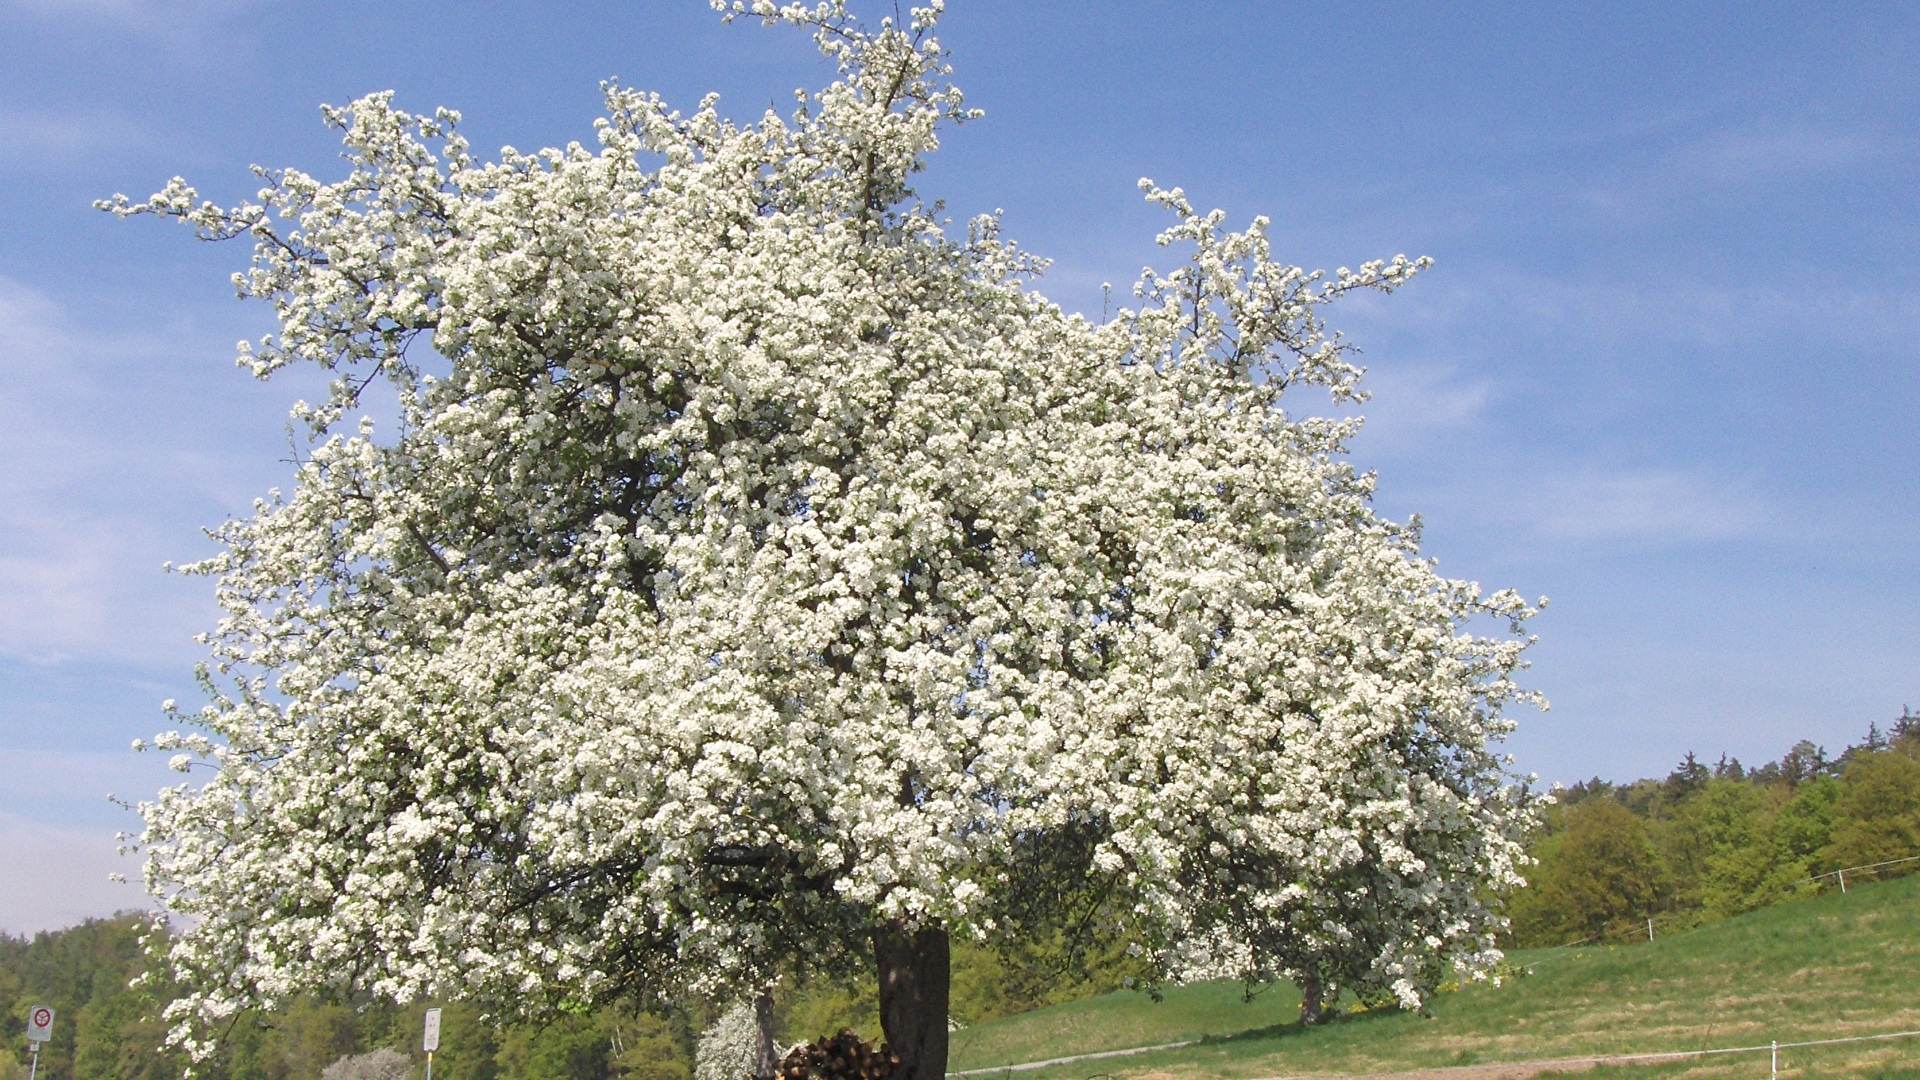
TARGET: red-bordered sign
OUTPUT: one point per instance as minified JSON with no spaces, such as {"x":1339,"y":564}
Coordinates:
{"x":39,"y":1024}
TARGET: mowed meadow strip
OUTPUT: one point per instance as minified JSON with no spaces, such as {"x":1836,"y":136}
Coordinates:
{"x":1832,"y":966}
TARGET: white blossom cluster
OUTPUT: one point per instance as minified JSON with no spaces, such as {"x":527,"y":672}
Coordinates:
{"x":729,"y":1048}
{"x":384,"y":1063}
{"x":755,"y":562}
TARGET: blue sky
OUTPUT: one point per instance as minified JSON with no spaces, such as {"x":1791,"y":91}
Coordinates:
{"x":1664,"y":370}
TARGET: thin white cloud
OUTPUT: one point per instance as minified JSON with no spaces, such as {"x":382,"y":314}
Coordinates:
{"x":1737,"y":156}
{"x":173,"y":22}
{"x":59,"y":599}
{"x":31,"y":136}
{"x":58,"y":876}
{"x":1675,"y":177}
{"x":40,"y":781}
{"x":1672,"y":311}
{"x":91,"y":489}
{"x":1662,"y":506}
{"x":1637,"y":310}
{"x":1411,"y":404}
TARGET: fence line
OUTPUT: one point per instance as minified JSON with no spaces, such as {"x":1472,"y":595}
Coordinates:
{"x":1840,"y":874}
{"x":1611,"y":1059}
{"x":1741,"y":1049}
{"x":1594,"y":1059}
{"x":1845,"y":870}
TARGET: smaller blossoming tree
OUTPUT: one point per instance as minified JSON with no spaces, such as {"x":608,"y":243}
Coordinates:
{"x":759,"y":575}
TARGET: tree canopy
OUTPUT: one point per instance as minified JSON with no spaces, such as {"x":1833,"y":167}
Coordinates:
{"x":760,"y":572}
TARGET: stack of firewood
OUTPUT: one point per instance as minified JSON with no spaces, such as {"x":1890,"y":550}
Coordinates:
{"x":838,"y":1057}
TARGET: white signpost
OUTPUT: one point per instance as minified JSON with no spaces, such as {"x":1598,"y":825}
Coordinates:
{"x":39,"y":1030}
{"x":430,"y":1040}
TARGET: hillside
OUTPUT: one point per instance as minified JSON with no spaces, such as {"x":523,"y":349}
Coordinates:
{"x":1831,"y":966}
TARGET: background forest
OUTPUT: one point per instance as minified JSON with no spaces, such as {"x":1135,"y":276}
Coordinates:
{"x":1706,"y":841}
{"x":106,"y":1029}
{"x":1702,"y":843}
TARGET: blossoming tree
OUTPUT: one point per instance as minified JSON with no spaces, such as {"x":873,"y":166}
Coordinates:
{"x":757,"y":572}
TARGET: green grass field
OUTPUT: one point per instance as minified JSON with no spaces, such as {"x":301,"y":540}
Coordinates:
{"x":1820,"y":968}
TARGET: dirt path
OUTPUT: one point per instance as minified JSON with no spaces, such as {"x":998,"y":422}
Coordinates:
{"x":1075,"y":1059}
{"x":1513,"y":1070}
{"x":1519,"y":1070}
{"x":1509,"y":1070}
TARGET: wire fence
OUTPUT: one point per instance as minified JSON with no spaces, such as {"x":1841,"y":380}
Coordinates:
{"x":1772,"y":1049}
{"x":1543,"y":1064}
{"x":1652,"y":921}
{"x":1843,"y":872}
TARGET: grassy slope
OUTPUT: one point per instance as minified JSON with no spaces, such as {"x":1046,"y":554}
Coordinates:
{"x":1820,"y":968}
{"x":1127,"y":1018}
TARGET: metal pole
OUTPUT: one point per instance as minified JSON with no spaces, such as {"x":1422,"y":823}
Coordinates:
{"x":34,"y":1070}
{"x":1843,"y":882}
{"x":1776,"y":1059}
{"x":429,"y":1066}
{"x":1649,"y":929}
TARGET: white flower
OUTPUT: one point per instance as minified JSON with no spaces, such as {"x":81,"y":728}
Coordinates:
{"x":755,"y":563}
{"x":728,"y":1049}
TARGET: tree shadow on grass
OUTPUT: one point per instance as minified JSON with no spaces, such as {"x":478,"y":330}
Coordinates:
{"x":1294,"y":1029}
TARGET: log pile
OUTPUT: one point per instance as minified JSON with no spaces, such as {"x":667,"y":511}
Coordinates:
{"x":838,"y":1057}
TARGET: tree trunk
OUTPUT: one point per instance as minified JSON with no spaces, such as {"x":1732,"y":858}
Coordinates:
{"x":765,"y":1063}
{"x":1311,"y":999}
{"x":914,"y":969}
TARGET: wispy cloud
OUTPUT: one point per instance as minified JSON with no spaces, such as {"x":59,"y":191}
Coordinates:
{"x":1739,"y":155}
{"x":172,"y":22}
{"x":1660,"y":506}
{"x":1681,"y":171}
{"x":57,"y":876}
{"x":64,"y":595}
{"x":1411,"y":404}
{"x":76,"y":785}
{"x":1770,"y":317}
{"x":94,"y":481}
{"x":30,"y":136}
{"x":1630,"y":308}
{"x":1560,"y":510}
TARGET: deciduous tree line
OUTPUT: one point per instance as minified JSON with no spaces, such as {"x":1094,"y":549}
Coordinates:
{"x":1710,"y":841}
{"x":108,"y":1029}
